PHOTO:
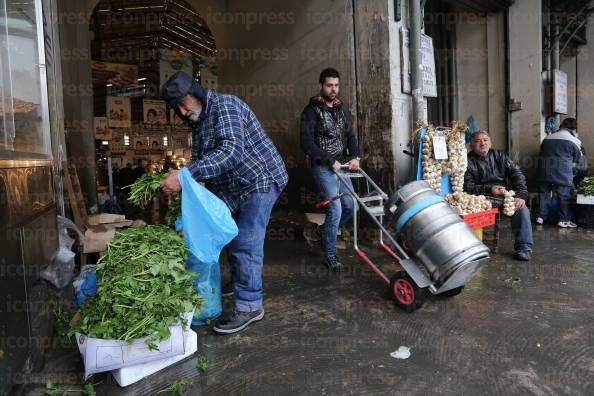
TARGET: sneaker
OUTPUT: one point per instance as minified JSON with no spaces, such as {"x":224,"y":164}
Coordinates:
{"x":227,"y":289}
{"x":523,"y":255}
{"x":333,"y":263}
{"x":234,"y":321}
{"x":539,"y":221}
{"x":566,"y":224}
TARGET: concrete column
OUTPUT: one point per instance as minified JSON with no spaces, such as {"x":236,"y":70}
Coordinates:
{"x":372,"y":51}
{"x":402,"y":115}
{"x":78,"y":93}
{"x":526,"y":82}
{"x":585,"y":92}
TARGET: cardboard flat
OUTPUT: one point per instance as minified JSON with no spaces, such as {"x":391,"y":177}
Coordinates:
{"x":101,"y":355}
{"x":102,"y":218}
{"x":585,"y":199}
{"x":129,"y":375}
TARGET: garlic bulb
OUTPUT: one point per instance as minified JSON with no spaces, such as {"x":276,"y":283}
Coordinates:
{"x":463,"y":203}
{"x":509,"y":204}
{"x":456,"y":163}
{"x":432,"y":168}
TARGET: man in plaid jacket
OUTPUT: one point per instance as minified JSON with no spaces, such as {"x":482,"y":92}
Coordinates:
{"x":238,"y":162}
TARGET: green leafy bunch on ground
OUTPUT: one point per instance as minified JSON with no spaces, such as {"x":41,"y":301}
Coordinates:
{"x":586,"y":187}
{"x":143,"y":287}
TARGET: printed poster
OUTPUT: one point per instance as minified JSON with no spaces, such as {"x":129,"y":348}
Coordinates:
{"x":116,"y":74}
{"x":102,"y":131}
{"x":154,"y":111}
{"x":118,"y":112}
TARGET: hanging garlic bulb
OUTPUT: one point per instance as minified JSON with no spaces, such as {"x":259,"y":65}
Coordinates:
{"x":432,"y":168}
{"x":509,"y":204}
{"x":457,"y":162}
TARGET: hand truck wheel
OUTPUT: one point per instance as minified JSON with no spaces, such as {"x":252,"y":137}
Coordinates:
{"x":407,"y":295}
{"x":452,"y":292}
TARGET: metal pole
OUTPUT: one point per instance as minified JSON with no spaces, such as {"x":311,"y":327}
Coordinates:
{"x":555,"y":64}
{"x":110,"y":178}
{"x":415,"y":61}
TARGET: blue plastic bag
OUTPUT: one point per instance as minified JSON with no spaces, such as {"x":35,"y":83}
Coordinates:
{"x":208,"y":226}
{"x":85,"y":285}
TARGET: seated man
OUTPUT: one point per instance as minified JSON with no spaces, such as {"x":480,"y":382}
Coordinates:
{"x":489,"y":173}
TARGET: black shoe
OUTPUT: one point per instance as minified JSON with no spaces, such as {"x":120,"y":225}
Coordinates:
{"x":227,"y":289}
{"x":234,"y":321}
{"x":333,"y":263}
{"x":523,"y":255}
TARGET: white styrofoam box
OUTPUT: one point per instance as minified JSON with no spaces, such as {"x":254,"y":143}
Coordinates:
{"x":128,"y":375}
{"x":105,"y":355}
{"x":585,"y":199}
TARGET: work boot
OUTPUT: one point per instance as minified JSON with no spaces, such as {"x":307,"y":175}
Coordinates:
{"x":234,"y":321}
{"x":227,"y":289}
{"x":523,"y":255}
{"x":333,"y":263}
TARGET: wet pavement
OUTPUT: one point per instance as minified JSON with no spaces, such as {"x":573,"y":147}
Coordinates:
{"x":519,"y":328}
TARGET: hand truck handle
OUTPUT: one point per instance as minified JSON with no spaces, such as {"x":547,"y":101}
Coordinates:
{"x":327,"y":201}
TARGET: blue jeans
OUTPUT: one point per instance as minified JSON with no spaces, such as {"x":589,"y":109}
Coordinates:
{"x":246,"y":252}
{"x":339,"y":211}
{"x":563,"y":192}
{"x":522,"y":228}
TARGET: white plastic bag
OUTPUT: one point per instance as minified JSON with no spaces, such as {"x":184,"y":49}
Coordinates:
{"x":60,"y":271}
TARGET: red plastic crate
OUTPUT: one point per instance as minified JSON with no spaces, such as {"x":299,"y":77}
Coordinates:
{"x":481,"y":219}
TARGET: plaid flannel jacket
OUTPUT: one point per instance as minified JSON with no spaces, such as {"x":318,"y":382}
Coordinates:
{"x":232,"y":154}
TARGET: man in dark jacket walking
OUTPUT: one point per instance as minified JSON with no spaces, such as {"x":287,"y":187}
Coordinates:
{"x":238,"y":162}
{"x":490,"y":172}
{"x":327,"y":138}
{"x":560,"y":152}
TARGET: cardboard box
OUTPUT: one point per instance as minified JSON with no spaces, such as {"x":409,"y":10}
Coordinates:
{"x":585,"y":199}
{"x":103,"y":218}
{"x":128,"y":375}
{"x":101,"y":355}
{"x":97,"y":238}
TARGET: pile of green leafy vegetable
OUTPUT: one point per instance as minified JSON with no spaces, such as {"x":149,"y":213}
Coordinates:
{"x":586,"y":187}
{"x":143,"y":287}
{"x":144,"y":189}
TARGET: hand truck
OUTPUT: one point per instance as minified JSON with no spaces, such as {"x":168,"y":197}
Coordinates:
{"x":407,"y":287}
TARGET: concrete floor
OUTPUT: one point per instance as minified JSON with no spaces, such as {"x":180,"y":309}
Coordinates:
{"x":517,"y":329}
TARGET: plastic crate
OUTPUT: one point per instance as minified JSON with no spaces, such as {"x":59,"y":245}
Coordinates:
{"x":481,"y":219}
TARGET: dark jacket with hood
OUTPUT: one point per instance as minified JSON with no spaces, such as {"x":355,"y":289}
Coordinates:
{"x":495,"y":169}
{"x":326,"y":135}
{"x":231,"y":152}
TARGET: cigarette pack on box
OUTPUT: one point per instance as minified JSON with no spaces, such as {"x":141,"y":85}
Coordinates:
{"x":128,"y":375}
{"x":105,"y":355}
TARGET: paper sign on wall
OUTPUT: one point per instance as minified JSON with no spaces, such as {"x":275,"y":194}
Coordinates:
{"x":429,"y":83}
